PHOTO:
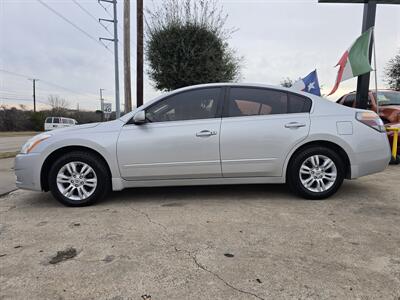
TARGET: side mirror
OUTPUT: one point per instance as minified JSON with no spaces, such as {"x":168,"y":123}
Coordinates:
{"x":139,"y":117}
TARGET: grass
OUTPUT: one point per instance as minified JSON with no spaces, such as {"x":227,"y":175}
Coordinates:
{"x":17,"y":133}
{"x":8,"y":154}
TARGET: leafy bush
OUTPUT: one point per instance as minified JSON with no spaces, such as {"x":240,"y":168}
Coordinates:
{"x":187,"y":45}
{"x":392,"y":73}
{"x":13,"y":119}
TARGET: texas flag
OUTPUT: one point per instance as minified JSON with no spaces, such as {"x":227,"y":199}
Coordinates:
{"x":308,"y":84}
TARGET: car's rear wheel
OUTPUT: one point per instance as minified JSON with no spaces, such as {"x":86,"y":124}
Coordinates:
{"x":79,"y":179}
{"x":316,"y":173}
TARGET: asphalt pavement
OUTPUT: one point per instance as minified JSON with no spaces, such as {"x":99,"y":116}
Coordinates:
{"x":12,"y":144}
{"x":210,"y":242}
{"x":7,"y":177}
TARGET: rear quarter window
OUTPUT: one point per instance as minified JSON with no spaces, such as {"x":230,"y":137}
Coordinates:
{"x":299,"y":104}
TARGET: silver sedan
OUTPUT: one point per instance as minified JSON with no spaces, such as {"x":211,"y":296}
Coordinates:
{"x":207,"y":135}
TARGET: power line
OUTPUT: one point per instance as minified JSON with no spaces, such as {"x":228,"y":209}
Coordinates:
{"x":91,"y":16}
{"x":73,"y":24}
{"x":21,"y":99}
{"x":48,"y":83}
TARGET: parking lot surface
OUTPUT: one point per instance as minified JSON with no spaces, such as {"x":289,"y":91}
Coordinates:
{"x":223,"y":242}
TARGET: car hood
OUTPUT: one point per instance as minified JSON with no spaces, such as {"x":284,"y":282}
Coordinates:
{"x":393,"y":125}
{"x":73,"y":128}
{"x":390,"y":107}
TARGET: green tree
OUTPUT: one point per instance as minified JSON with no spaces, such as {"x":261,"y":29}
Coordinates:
{"x":186,"y":44}
{"x":392,"y":73}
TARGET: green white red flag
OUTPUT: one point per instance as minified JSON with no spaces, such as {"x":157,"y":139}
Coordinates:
{"x":355,"y":61}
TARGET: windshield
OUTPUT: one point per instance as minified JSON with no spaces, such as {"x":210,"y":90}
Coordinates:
{"x":388,"y":98}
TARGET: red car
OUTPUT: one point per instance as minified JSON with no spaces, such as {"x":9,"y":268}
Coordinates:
{"x":389,"y":110}
{"x":389,"y":104}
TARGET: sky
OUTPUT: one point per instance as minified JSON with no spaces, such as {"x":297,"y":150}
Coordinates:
{"x":276,"y":38}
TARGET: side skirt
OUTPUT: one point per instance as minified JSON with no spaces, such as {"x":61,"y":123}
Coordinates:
{"x":119,"y":183}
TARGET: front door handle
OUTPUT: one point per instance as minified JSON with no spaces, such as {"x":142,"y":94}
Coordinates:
{"x":295,"y":125}
{"x":206,"y":133}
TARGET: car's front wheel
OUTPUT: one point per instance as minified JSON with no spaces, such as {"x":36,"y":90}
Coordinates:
{"x":78,"y":179}
{"x":316,"y":173}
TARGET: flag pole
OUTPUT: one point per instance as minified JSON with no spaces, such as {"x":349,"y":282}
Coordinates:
{"x":376,"y":76}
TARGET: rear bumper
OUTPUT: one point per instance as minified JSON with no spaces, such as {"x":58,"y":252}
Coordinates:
{"x":373,"y":160}
{"x":27,"y":171}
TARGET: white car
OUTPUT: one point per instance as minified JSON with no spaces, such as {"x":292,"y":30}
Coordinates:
{"x":207,"y":135}
{"x":58,"y":122}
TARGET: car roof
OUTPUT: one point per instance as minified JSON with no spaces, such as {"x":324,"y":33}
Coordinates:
{"x":127,"y":116}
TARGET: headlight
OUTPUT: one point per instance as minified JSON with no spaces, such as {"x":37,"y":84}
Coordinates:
{"x":33,"y":142}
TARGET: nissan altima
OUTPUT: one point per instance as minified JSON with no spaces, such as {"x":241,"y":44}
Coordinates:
{"x":208,"y":135}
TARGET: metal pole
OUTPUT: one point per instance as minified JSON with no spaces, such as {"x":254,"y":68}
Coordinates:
{"x":127,"y":56}
{"x":102,"y":104}
{"x":34,"y":95}
{"x":117,"y":103}
{"x":376,"y":76}
{"x":139,"y":53}
{"x":363,"y":80}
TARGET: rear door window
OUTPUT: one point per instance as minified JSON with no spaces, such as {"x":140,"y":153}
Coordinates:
{"x":256,"y":101}
{"x":56,"y":120}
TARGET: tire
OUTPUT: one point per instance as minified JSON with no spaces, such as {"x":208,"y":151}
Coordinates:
{"x":307,"y":183}
{"x":395,"y":161}
{"x":78,"y":179}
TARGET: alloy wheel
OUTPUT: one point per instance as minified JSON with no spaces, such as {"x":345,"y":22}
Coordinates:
{"x":76,"y":180}
{"x":318,"y":173}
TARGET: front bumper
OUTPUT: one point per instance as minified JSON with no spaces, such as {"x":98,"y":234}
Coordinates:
{"x":27,"y":171}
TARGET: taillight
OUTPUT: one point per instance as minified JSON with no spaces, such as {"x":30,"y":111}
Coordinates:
{"x":371,"y":119}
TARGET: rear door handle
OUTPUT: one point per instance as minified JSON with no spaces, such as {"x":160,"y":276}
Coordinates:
{"x":295,"y":125}
{"x":206,"y":133}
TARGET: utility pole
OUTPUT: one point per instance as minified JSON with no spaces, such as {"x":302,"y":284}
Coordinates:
{"x":34,"y":93}
{"x":367,"y":22}
{"x":127,"y":56}
{"x":102,"y":104}
{"x":115,"y":40}
{"x":139,"y":53}
{"x":363,"y":80}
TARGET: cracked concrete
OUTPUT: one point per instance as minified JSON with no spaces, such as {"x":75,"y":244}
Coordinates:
{"x":172,"y":243}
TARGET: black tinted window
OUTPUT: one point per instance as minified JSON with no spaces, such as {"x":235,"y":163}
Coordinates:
{"x":191,"y":105}
{"x":299,"y":104}
{"x":349,"y":100}
{"x":252,"y":101}
{"x":49,"y":120}
{"x":56,"y":120}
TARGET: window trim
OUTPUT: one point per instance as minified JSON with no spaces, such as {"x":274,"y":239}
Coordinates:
{"x":225,"y":112}
{"x":218,"y":112}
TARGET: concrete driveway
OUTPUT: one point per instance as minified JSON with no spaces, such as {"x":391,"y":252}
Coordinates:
{"x":232,"y":242}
